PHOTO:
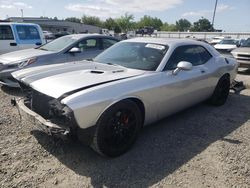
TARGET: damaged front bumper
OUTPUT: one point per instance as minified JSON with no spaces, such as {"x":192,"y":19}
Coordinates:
{"x":44,"y":125}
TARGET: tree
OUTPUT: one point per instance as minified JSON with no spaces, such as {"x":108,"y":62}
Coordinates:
{"x":125,"y":22}
{"x":156,"y":23}
{"x":168,"y":27}
{"x":73,"y":19}
{"x":92,"y":20}
{"x":111,"y":24}
{"x":202,"y":24}
{"x":183,"y":25}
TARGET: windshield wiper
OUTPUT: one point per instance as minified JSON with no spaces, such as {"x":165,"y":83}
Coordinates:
{"x":116,"y":65}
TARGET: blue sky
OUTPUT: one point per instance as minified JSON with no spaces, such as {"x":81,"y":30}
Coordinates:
{"x":232,"y":15}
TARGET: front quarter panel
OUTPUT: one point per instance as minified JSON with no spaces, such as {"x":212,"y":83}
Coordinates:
{"x":88,"y":105}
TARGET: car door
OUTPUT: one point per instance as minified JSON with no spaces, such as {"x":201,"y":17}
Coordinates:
{"x":27,"y":36}
{"x":7,"y":39}
{"x":89,"y":48}
{"x":187,"y":87}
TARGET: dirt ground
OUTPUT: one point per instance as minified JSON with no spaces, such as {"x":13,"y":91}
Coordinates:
{"x":203,"y":146}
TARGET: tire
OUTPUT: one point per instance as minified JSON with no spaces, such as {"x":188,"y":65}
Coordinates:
{"x":221,"y":92}
{"x":117,"y":129}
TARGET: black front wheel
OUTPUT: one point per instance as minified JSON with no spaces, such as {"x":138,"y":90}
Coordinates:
{"x":117,"y":129}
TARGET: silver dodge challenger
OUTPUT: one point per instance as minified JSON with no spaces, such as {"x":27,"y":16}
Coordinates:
{"x":106,"y":102}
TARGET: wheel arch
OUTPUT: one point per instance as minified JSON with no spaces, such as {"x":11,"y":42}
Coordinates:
{"x":226,"y":75}
{"x":134,"y":99}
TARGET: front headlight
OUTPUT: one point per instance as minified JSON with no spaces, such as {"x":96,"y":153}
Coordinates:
{"x":27,"y":62}
{"x":234,"y":54}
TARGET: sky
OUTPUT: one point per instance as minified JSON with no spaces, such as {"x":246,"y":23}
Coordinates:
{"x":231,"y":15}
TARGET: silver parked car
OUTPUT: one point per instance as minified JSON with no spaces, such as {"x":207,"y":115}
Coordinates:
{"x":132,"y":84}
{"x":65,"y":49}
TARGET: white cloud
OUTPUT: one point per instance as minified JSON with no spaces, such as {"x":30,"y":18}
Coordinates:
{"x":187,"y":14}
{"x":204,"y":13}
{"x":13,"y":5}
{"x":6,"y":6}
{"x":21,"y":5}
{"x":223,"y":7}
{"x":115,"y":8}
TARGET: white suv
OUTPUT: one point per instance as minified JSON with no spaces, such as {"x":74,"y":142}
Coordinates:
{"x":17,"y":36}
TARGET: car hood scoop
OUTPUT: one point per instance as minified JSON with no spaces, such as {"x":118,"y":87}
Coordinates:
{"x":96,"y":72}
{"x":55,"y":81}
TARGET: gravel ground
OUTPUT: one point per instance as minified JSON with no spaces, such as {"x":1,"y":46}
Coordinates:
{"x":203,"y":146}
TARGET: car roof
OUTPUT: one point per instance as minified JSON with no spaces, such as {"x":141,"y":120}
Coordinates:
{"x":15,"y":23}
{"x":79,"y":36}
{"x":164,"y":41}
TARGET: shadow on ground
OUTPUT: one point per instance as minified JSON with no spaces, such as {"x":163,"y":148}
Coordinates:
{"x":244,"y":71}
{"x":161,"y":148}
{"x":12,"y":91}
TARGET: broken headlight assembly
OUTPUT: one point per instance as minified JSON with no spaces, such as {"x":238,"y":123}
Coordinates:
{"x":26,"y":62}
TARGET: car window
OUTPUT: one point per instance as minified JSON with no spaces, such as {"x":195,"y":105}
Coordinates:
{"x":246,"y":43}
{"x":106,"y":43}
{"x":204,"y":54}
{"x":59,"y":44}
{"x":228,"y":41}
{"x":88,"y":44}
{"x":6,"y":33}
{"x":135,"y":55}
{"x":27,"y":32}
{"x":194,"y":54}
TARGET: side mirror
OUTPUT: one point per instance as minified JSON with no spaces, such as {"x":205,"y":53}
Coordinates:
{"x":182,"y":65}
{"x":75,"y":50}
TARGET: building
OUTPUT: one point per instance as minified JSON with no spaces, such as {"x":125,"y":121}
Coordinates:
{"x":55,"y":26}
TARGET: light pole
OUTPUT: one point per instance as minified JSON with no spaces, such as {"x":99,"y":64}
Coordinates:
{"x":214,"y":12}
{"x":22,"y":12}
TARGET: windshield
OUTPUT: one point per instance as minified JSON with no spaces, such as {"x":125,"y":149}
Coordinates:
{"x":59,"y":44}
{"x":246,"y":43}
{"x":143,"y":56}
{"x":233,"y":42}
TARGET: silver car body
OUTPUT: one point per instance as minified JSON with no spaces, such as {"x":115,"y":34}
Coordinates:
{"x":10,"y":62}
{"x":90,"y":88}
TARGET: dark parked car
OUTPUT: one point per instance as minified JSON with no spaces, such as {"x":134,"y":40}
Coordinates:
{"x":145,"y":31}
{"x":64,"y":49}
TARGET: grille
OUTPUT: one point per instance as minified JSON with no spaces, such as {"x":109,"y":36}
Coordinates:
{"x":244,"y":55}
{"x":40,"y":103}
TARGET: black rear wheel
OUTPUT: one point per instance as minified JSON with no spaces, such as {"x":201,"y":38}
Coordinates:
{"x":117,"y":129}
{"x":221,"y":91}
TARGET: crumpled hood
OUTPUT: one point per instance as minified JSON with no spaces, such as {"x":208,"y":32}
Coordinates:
{"x":19,"y":55}
{"x":58,"y":80}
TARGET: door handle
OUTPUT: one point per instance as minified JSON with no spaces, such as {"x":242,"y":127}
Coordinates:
{"x":13,"y":44}
{"x":38,"y":43}
{"x":203,"y":71}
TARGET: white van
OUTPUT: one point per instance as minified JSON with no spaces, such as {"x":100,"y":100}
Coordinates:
{"x":18,"y":36}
